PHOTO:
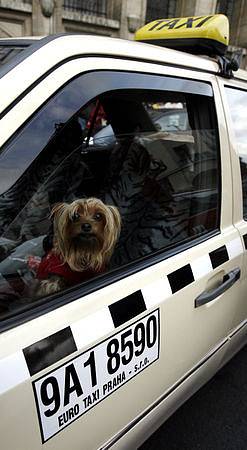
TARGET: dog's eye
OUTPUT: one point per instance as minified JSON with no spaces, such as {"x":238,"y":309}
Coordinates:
{"x":98,"y":217}
{"x":75,"y":217}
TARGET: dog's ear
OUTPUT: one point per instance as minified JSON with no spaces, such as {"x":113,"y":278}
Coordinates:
{"x":57,"y":209}
{"x":116,"y":218}
{"x":111,"y":231}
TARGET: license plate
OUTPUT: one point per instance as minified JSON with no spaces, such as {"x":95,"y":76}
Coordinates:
{"x":75,"y":387}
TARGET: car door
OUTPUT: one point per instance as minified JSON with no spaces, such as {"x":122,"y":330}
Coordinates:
{"x":234,"y":97}
{"x":83,"y":367}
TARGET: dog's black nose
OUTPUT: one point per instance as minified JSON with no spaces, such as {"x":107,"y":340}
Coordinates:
{"x":86,"y":227}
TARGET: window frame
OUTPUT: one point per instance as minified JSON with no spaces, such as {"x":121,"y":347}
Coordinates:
{"x":43,"y":306}
{"x":238,"y":213}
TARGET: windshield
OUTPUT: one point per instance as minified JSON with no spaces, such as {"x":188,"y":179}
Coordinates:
{"x":8,"y":52}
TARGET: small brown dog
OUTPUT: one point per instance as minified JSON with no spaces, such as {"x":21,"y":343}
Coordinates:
{"x":85,"y":234}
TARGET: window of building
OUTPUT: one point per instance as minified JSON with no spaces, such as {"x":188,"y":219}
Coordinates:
{"x":237,"y":100}
{"x":159,"y":9}
{"x":92,"y":7}
{"x":225,"y":7}
{"x":145,"y":145}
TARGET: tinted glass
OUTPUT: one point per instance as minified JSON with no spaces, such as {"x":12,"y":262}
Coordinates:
{"x":8,"y":52}
{"x":149,"y":155}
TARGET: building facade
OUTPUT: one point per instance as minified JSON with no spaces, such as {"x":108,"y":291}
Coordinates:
{"x":117,"y":18}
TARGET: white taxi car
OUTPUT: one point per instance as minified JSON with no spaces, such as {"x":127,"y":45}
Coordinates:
{"x":161,"y":135}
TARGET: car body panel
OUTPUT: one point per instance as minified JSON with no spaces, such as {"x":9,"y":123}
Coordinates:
{"x":55,"y":49}
{"x":238,"y":220}
{"x":193,"y":343}
{"x":179,"y":321}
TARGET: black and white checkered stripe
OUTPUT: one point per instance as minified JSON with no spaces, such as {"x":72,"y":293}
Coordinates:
{"x":20,"y":366}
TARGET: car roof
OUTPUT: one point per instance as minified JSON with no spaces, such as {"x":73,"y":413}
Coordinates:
{"x":42,"y":54}
{"x":111,"y":47}
{"x":160,"y":54}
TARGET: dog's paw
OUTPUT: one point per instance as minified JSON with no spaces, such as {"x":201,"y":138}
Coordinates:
{"x":50,"y":286}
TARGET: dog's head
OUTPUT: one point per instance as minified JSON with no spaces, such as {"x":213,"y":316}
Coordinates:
{"x":85,"y":232}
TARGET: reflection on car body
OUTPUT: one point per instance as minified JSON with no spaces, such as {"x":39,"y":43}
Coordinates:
{"x":102,"y":361}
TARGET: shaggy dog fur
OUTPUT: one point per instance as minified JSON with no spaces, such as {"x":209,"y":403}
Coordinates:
{"x":85,"y":234}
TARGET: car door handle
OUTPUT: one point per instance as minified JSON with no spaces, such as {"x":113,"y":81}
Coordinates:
{"x":228,"y":280}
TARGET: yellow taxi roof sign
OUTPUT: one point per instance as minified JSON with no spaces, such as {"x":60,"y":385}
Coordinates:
{"x":199,"y":34}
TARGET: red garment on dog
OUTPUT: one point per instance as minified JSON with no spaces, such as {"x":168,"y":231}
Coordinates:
{"x":51,"y":264}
